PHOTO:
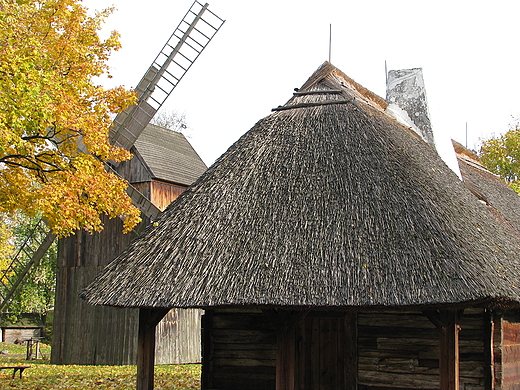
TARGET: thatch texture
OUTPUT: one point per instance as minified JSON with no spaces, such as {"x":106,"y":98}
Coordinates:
{"x":328,"y":205}
{"x":490,"y":189}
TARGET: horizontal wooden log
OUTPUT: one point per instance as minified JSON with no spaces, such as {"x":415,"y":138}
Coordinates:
{"x":511,"y":354}
{"x":410,"y":366}
{"x":239,"y":362}
{"x":417,"y":343}
{"x":243,"y":336}
{"x":238,"y":310}
{"x":398,"y":380}
{"x":255,"y":372}
{"x":244,"y":346}
{"x":511,"y":374}
{"x":510,"y":333}
{"x":264,"y":354}
{"x":243,"y":383}
{"x":471,"y":370}
{"x":397,"y":332}
{"x":416,"y":321}
{"x":372,"y":387}
{"x":254,"y":322}
{"x":407,"y":333}
{"x":471,"y":386}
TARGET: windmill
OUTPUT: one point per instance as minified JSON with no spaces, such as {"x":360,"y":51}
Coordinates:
{"x":189,"y":39}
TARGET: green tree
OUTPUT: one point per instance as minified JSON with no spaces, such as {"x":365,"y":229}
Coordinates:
{"x":37,"y":291}
{"x":501,"y":155}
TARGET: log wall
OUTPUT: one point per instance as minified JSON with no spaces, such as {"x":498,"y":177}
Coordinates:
{"x":239,"y":350}
{"x":401,"y":351}
{"x":507,"y":351}
{"x":392,"y":351}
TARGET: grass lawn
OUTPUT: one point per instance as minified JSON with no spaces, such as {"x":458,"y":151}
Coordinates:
{"x":42,"y":375}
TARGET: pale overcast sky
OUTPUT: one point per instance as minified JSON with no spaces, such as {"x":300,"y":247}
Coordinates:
{"x":468,"y":51}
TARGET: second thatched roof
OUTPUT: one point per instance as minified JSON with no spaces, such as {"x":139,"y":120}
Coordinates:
{"x":328,"y":202}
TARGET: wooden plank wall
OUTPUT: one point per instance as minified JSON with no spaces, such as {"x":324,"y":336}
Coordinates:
{"x":326,"y":351}
{"x":135,"y":170}
{"x":239,"y":350}
{"x":178,"y":337}
{"x":401,"y":351}
{"x":162,"y":193}
{"x":510,"y":352}
{"x":10,"y":335}
{"x":85,"y":334}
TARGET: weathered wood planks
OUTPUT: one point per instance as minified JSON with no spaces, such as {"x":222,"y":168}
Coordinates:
{"x":400,"y":350}
{"x":239,"y":350}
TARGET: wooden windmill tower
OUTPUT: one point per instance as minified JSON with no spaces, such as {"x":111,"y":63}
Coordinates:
{"x":86,"y":335}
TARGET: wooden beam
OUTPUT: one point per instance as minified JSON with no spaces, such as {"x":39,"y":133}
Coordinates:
{"x":449,"y":350}
{"x":148,"y":320}
{"x":433,"y":316}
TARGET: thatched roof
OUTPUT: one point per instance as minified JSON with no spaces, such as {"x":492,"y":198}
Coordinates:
{"x":168,"y":155}
{"x":490,"y":189}
{"x":327,"y":202}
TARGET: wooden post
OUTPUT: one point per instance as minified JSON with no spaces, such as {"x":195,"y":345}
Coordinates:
{"x":207,"y":349}
{"x":349,"y":346}
{"x":449,"y":350}
{"x":148,"y":320}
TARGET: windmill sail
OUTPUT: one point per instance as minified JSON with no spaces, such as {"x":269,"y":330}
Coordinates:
{"x":29,"y":254}
{"x":190,"y":38}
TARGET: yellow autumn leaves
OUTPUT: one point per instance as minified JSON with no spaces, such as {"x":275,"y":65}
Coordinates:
{"x":42,"y":375}
{"x":47,"y":376}
{"x":50,"y":53}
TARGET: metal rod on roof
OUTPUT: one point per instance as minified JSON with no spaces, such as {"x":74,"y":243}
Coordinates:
{"x":330,"y":40}
{"x":466,"y":135}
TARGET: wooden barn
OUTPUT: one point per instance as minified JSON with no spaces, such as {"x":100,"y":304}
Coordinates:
{"x":164,"y":164}
{"x":24,"y":327}
{"x":331,"y":248}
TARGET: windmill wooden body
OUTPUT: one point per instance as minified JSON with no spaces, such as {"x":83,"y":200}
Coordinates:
{"x":87,"y":337}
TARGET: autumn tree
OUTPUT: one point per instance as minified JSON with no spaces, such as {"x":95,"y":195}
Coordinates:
{"x":50,"y":56}
{"x":501,"y":155}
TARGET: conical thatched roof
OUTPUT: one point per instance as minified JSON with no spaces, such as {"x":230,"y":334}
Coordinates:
{"x":328,"y":202}
{"x":490,"y":189}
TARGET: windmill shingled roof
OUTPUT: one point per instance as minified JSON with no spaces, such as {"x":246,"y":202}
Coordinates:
{"x":330,"y":205}
{"x":162,"y":149}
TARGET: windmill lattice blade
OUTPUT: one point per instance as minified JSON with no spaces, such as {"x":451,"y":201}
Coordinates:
{"x":190,"y":38}
{"x":25,"y":258}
